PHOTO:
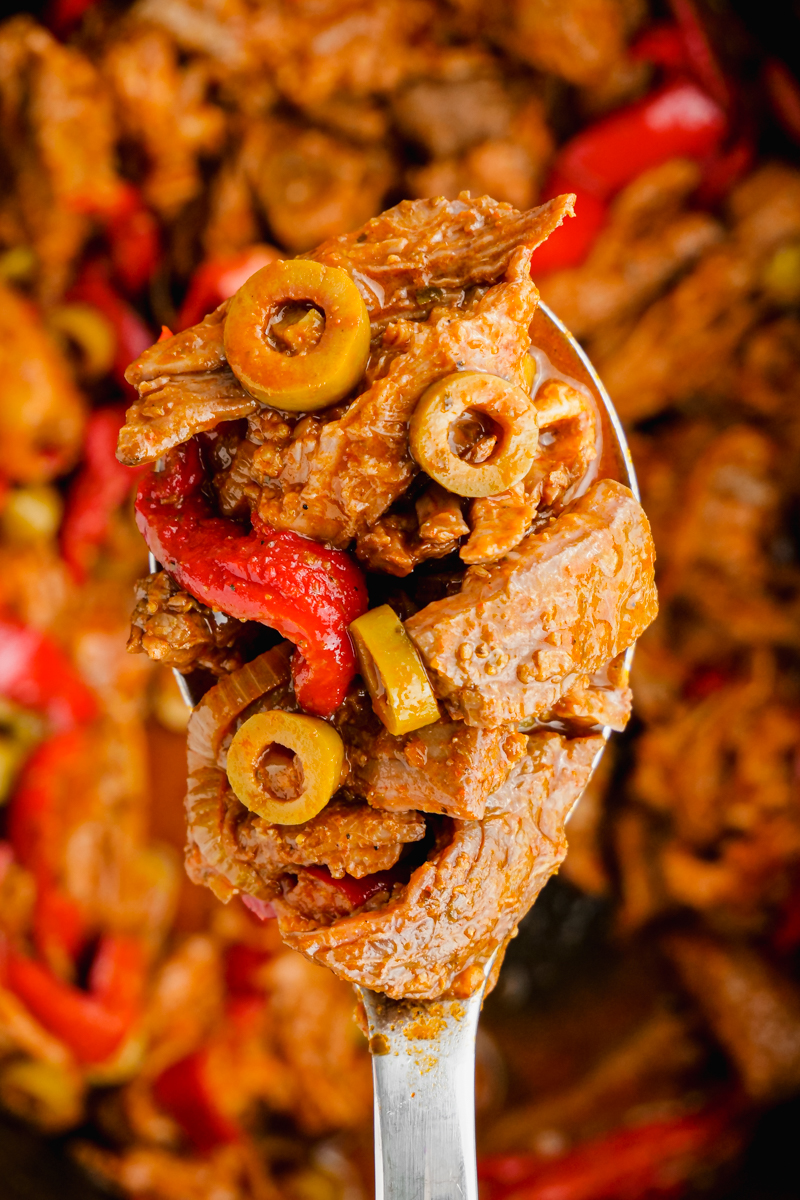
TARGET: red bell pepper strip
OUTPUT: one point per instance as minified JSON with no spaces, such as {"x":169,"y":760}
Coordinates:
{"x":359,"y":891}
{"x":783,"y":91}
{"x":92,"y":1024}
{"x":304,"y":590}
{"x":135,"y":247}
{"x":569,"y":245}
{"x":100,"y":488}
{"x":184,"y":1091}
{"x":132,"y":335}
{"x":63,"y":15}
{"x":700,"y":57}
{"x":651,"y":1160}
{"x":218,"y":278}
{"x":43,"y":793}
{"x":35,"y":830}
{"x":663,"y":45}
{"x":36,"y":673}
{"x":676,"y":120}
{"x":241,"y":965}
{"x":59,"y":926}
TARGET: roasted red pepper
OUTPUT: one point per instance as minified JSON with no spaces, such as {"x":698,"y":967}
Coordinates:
{"x":676,"y":120}
{"x":63,"y":15}
{"x":100,"y":488}
{"x":44,"y":792}
{"x":241,"y":965}
{"x":650,"y":1160}
{"x":36,"y":673}
{"x":661,"y":44}
{"x":304,"y":590}
{"x":91,"y":1023}
{"x":132,"y":335}
{"x":185,"y":1092}
{"x":218,"y":278}
{"x":568,"y":245}
{"x":134,"y":242}
{"x":359,"y":891}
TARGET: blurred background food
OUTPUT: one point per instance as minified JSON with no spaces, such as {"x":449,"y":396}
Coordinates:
{"x":645,"y":1036}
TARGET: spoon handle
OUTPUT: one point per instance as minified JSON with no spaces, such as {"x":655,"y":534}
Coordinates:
{"x":423,"y":1068}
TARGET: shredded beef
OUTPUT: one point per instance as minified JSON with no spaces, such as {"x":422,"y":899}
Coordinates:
{"x":173,"y":628}
{"x":348,"y":839}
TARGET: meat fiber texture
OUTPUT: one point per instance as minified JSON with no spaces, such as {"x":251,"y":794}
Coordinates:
{"x":439,"y":936}
{"x":565,"y":602}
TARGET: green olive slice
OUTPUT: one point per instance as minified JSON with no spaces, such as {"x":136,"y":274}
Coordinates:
{"x":315,"y":744}
{"x":392,"y":669}
{"x":513,"y":444}
{"x":306,"y":373}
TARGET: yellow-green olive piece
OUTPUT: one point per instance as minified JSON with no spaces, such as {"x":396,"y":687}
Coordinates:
{"x":319,"y":752}
{"x":311,"y":372}
{"x":454,"y":399}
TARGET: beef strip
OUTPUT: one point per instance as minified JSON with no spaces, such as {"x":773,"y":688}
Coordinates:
{"x":752,"y":1008}
{"x":171,"y":627}
{"x":568,"y":599}
{"x":185,"y":387}
{"x":349,"y":839}
{"x":603,"y":698}
{"x":340,"y":477}
{"x":447,"y":767}
{"x":404,"y":262}
{"x":438,"y":935}
{"x":402,"y":257}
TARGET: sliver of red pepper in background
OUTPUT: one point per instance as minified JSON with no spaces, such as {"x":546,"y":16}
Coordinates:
{"x":93,"y":1023}
{"x":783,"y":91}
{"x":661,"y":44}
{"x":678,"y":120}
{"x":99,"y":489}
{"x":569,"y":245}
{"x":132,"y":335}
{"x":36,"y":673}
{"x":218,"y":278}
{"x":304,"y":590}
{"x":184,"y":1091}
{"x":241,"y":965}
{"x":44,"y":791}
{"x":134,"y":244}
{"x":63,"y":15}
{"x":656,"y":1159}
{"x":359,"y":891}
{"x":701,"y":60}
{"x":35,"y":830}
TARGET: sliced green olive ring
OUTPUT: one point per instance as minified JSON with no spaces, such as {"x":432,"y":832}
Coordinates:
{"x":392,"y":669}
{"x":315,"y":377}
{"x":315,"y":743}
{"x":505,"y":404}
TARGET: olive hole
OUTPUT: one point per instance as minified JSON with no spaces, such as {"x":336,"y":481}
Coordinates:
{"x":474,"y":436}
{"x":279,"y":772}
{"x":295,"y":328}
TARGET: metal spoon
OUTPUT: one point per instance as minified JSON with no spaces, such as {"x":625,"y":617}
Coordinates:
{"x":423,"y":1052}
